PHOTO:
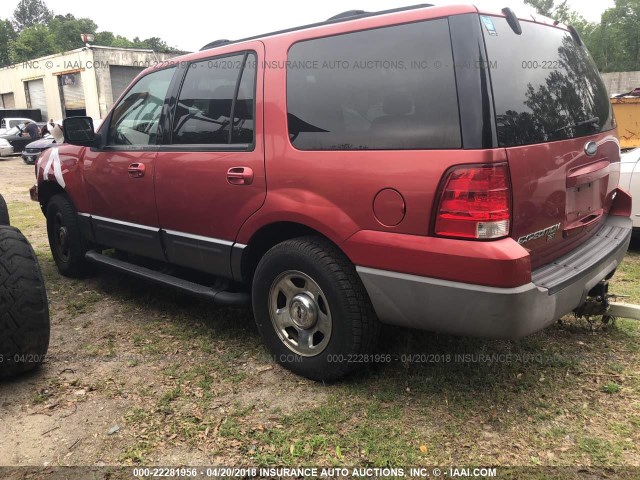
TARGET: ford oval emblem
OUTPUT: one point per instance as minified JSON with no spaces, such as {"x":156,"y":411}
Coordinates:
{"x":591,"y":148}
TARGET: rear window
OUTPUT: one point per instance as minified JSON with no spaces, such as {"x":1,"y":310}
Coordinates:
{"x":546,"y":87}
{"x":386,"y":88}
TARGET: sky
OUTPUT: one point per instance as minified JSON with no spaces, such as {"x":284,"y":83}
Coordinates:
{"x":189,"y":25}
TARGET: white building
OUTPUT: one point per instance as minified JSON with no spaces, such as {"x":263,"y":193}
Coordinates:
{"x":85,"y":81}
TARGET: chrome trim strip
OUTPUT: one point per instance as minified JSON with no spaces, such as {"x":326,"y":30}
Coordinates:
{"x":198,"y":237}
{"x":168,"y":232}
{"x":127,"y":224}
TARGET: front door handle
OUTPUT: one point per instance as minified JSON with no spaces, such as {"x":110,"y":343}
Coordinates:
{"x":136,"y":170}
{"x":240,"y":176}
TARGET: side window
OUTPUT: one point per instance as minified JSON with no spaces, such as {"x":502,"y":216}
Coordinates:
{"x":135,"y":119}
{"x":208,"y":110}
{"x":386,"y":88}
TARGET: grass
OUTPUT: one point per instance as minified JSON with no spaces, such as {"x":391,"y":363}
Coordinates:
{"x":611,"y":388}
{"x":195,"y":382}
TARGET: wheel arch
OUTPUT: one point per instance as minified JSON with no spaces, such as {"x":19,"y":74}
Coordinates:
{"x":266,"y":238}
{"x":46,"y":191}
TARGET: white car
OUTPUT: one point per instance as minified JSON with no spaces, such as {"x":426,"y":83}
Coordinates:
{"x":5,"y":148}
{"x":630,"y":181}
{"x":10,"y":122}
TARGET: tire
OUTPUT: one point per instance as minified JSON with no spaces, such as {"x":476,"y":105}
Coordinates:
{"x":24,"y":312}
{"x":65,"y":239}
{"x":305,"y":279}
{"x":4,"y":212}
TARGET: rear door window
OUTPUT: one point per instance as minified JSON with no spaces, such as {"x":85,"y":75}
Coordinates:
{"x":214,"y":92}
{"x":546,"y":87}
{"x":385,"y":88}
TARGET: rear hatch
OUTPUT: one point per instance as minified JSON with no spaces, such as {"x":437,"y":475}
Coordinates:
{"x":554,"y":119}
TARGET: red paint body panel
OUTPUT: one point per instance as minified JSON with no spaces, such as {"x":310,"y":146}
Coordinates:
{"x":333,"y":192}
{"x":192,"y":188}
{"x":106,"y":172}
{"x":500,"y":263}
{"x":71,"y":166}
{"x":545,"y":190}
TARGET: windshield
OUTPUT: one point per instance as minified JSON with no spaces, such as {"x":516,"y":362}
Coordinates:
{"x":546,"y":87}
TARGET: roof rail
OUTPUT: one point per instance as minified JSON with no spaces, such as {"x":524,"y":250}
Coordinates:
{"x":215,"y":43}
{"x":341,"y":17}
{"x":347,"y":14}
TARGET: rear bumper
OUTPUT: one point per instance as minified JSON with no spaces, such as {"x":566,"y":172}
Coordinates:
{"x":467,"y":309}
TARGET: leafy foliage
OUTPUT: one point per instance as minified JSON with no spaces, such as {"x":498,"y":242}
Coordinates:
{"x":35,"y":32}
{"x":7,"y":35}
{"x":29,"y":13}
{"x":614,"y":42}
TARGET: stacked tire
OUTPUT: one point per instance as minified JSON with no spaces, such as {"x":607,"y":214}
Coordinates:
{"x":24,"y":312}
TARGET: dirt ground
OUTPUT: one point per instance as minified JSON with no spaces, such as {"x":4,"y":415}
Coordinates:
{"x":142,"y":375}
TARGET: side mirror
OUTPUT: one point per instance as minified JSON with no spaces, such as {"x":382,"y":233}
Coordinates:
{"x":79,"y":131}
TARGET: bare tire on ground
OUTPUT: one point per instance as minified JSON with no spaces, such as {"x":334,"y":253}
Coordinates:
{"x":312,"y":310}
{"x":24,"y":313}
{"x":4,"y":212}
{"x":65,"y":239}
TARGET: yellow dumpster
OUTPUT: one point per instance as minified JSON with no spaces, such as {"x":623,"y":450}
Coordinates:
{"x":627,"y":112}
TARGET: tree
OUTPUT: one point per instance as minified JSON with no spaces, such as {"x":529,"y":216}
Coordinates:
{"x":561,"y":12}
{"x":29,"y":13}
{"x":620,"y":27}
{"x":543,"y":7}
{"x":66,"y":31}
{"x":104,"y":38}
{"x":35,"y":32}
{"x":120,"y":42}
{"x":33,"y":42}
{"x":7,"y":35}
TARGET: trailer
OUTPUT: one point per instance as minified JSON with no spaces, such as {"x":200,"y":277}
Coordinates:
{"x":626,"y":108}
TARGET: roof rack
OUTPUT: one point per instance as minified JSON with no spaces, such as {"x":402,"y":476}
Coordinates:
{"x":341,"y":17}
{"x":348,"y":14}
{"x":215,"y":43}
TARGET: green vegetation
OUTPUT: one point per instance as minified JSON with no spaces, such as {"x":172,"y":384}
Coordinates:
{"x":614,"y":42}
{"x":35,"y":31}
{"x":191,"y":381}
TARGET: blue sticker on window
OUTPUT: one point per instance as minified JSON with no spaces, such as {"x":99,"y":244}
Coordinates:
{"x":488,"y":24}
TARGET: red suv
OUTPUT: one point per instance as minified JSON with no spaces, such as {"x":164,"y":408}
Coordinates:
{"x":442,"y":168}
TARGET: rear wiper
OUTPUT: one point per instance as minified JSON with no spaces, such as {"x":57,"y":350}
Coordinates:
{"x":589,"y":121}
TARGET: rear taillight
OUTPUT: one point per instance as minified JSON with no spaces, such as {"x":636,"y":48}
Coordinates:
{"x":475,"y":203}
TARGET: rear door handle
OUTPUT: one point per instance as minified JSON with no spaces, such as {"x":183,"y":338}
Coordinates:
{"x":240,"y":176}
{"x":136,"y":170}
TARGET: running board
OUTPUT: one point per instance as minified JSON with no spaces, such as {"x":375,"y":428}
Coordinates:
{"x":218,"y":296}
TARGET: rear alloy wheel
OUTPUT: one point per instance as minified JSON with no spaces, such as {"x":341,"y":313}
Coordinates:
{"x":312,"y":310}
{"x":300,"y":313}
